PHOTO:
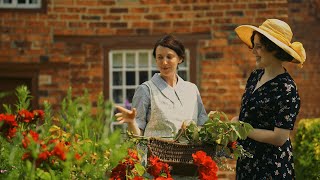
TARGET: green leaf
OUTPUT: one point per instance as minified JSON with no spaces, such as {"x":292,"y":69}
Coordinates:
{"x":233,"y":136}
{"x":42,"y":174}
{"x":140,"y":169}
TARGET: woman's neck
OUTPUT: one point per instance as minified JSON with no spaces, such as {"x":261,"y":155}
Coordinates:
{"x":170,"y":80}
{"x":273,"y":70}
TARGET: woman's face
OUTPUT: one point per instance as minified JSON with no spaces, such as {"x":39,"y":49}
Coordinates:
{"x":167,"y":61}
{"x":264,"y":58}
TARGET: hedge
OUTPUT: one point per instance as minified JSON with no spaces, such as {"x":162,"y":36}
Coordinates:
{"x":307,"y":149}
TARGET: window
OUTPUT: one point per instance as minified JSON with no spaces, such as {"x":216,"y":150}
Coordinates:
{"x":21,"y":4}
{"x":13,"y":75}
{"x":130,"y":68}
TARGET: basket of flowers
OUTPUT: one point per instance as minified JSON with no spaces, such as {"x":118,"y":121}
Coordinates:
{"x":217,"y":138}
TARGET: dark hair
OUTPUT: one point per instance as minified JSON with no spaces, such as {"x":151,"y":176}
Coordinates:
{"x":173,"y":43}
{"x":271,"y":46}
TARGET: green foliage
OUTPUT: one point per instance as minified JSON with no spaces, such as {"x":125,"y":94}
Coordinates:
{"x":24,"y":97}
{"x":307,"y":149}
{"x":87,"y":134}
{"x":219,"y":132}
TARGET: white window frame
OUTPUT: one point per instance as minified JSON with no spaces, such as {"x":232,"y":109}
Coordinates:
{"x":136,"y":69}
{"x":14,"y":5}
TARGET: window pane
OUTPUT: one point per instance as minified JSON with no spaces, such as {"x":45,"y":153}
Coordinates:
{"x":117,"y":60}
{"x":154,"y":64}
{"x":21,"y":1}
{"x":143,"y":60}
{"x":130,"y":60}
{"x":183,"y":74}
{"x":153,"y":72}
{"x":33,"y":1}
{"x":7,"y":1}
{"x":184,"y":64}
{"x":117,"y":96}
{"x":143,"y":76}
{"x":130,"y":93}
{"x":117,"y":78}
{"x":131,"y":78}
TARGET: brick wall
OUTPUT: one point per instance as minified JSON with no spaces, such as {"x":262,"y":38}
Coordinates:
{"x":225,"y":62}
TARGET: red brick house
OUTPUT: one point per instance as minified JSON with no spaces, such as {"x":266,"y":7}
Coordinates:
{"x":105,"y":46}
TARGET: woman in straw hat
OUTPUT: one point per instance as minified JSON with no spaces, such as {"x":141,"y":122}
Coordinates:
{"x":270,"y":102}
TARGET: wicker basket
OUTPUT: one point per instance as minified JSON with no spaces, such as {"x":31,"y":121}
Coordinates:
{"x":178,"y":155}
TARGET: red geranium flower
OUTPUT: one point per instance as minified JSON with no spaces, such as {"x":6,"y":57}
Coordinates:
{"x":207,"y":168}
{"x":39,"y":114}
{"x":157,"y":168}
{"x":8,"y":125}
{"x":232,"y":145}
{"x":60,"y":151}
{"x":26,"y":115}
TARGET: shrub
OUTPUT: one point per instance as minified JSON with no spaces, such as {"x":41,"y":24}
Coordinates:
{"x":70,"y":144}
{"x":307,"y":149}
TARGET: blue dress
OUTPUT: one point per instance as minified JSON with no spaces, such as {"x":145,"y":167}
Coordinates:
{"x":275,"y":104}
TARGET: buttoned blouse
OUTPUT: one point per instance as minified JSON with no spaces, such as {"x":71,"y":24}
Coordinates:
{"x":161,"y":109}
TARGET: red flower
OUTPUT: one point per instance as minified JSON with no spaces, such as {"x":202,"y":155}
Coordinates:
{"x":157,"y":168}
{"x":133,"y":154}
{"x":207,"y":168}
{"x":7,"y":125}
{"x":59,"y":151}
{"x":44,"y":156}
{"x":126,"y":167}
{"x":232,"y":145}
{"x":26,"y":156}
{"x":11,"y":133}
{"x":26,"y":140}
{"x":77,"y":156}
{"x":26,"y":115}
{"x":39,"y":114}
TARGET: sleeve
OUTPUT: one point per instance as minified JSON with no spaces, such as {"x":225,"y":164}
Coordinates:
{"x":141,"y":101}
{"x":288,"y":104}
{"x":202,"y":114}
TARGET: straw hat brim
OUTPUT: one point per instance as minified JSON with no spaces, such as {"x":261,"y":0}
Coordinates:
{"x":244,"y":32}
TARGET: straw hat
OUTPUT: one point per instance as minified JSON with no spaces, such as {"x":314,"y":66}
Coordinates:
{"x":278,"y":32}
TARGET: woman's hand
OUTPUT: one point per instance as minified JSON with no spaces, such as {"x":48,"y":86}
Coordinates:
{"x":235,"y":119}
{"x":128,"y":116}
{"x":125,"y":115}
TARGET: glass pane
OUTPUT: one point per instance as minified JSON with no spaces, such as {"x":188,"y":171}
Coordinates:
{"x":21,"y":1}
{"x":117,"y":60}
{"x":184,"y":64}
{"x":7,"y":1}
{"x":117,"y":78}
{"x":154,"y":64}
{"x":183,"y":75}
{"x":153,"y":72}
{"x":130,"y":93}
{"x":143,"y":60}
{"x":131,"y":78}
{"x":130,"y":60}
{"x":33,"y":1}
{"x":143,"y":76}
{"x":117,"y":96}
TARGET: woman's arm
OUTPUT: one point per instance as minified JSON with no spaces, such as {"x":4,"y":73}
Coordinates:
{"x":127,"y":116}
{"x":136,"y":118}
{"x":277,"y":137}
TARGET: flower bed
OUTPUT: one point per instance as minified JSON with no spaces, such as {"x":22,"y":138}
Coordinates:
{"x":70,"y":144}
{"x":74,"y":144}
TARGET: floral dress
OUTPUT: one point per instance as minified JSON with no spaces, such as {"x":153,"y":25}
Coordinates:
{"x":275,"y":104}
